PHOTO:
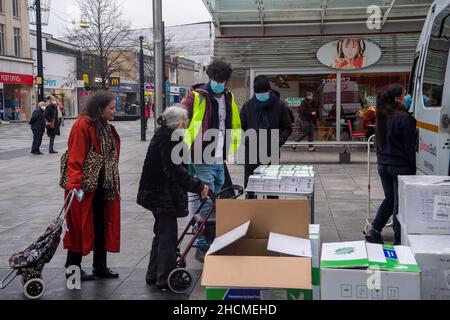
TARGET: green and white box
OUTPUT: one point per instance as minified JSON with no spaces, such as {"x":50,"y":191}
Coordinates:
{"x":354,"y":271}
{"x":314,"y":236}
{"x":424,"y":204}
{"x":432,"y":253}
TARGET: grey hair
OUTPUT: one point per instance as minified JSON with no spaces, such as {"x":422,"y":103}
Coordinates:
{"x":172,"y":116}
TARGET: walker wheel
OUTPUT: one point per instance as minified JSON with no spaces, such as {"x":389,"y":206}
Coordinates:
{"x":34,"y":288}
{"x":179,"y":281}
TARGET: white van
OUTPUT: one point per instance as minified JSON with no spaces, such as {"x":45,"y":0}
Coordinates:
{"x":430,"y":88}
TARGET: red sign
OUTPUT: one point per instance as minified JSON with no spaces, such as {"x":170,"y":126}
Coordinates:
{"x":14,"y":78}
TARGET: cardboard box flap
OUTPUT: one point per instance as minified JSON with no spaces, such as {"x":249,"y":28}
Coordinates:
{"x":228,"y":238}
{"x":257,"y":272}
{"x":289,"y":245}
{"x":344,"y":255}
{"x":391,"y":258}
{"x":288,"y":217}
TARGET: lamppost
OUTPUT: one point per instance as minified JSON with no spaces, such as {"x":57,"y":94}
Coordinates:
{"x":40,"y":68}
{"x":142,"y":89}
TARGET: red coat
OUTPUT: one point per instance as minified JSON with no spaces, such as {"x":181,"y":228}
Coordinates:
{"x":80,"y":236}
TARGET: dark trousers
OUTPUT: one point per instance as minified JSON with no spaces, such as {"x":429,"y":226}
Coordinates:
{"x":389,"y":206}
{"x":37,"y":141}
{"x":163,"y":257}
{"x":52,"y":143}
{"x":308,"y":132}
{"x":74,"y":258}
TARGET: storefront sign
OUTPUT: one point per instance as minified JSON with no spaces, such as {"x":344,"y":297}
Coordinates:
{"x":293,"y":102}
{"x":349,"y":54}
{"x":114,"y":81}
{"x":14,"y":78}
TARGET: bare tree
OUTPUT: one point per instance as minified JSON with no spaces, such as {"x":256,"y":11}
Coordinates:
{"x":108,"y":37}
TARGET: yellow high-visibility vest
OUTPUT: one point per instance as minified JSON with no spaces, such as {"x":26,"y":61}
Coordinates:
{"x":199,"y":110}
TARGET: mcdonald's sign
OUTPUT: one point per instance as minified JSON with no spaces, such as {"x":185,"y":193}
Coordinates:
{"x":114,"y":81}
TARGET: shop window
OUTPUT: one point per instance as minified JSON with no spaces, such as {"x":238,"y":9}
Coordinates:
{"x":16,"y":8}
{"x":17,"y":42}
{"x":2,"y":39}
{"x":436,"y":61}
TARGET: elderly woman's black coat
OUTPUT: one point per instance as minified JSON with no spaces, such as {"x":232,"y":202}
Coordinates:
{"x":164,"y":185}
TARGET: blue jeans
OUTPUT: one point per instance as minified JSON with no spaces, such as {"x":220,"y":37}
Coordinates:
{"x":213,"y":175}
{"x":389,"y":206}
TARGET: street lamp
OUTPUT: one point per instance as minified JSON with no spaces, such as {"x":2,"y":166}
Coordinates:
{"x":142,"y":88}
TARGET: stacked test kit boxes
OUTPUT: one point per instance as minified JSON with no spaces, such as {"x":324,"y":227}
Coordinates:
{"x":424,"y":214}
{"x":282,"y":178}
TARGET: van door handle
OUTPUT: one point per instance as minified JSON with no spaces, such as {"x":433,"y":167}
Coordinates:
{"x":445,"y":121}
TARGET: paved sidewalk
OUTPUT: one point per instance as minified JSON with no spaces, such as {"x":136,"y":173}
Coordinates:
{"x":30,"y":198}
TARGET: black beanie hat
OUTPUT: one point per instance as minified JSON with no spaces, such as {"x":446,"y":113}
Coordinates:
{"x":261,"y":84}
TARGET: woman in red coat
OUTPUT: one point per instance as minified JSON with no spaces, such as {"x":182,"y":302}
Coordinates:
{"x":94,"y":222}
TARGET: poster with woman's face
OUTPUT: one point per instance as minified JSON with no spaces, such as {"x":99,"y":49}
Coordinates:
{"x":349,"y":54}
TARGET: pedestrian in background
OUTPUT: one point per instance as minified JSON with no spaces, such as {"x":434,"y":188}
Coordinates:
{"x":37,"y":123}
{"x":61,"y":111}
{"x":396,"y":156}
{"x":94,"y":223}
{"x":163,"y":190}
{"x":264,"y":110}
{"x":52,"y":122}
{"x":307,"y":116}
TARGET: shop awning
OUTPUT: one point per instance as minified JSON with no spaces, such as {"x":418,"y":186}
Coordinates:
{"x":266,"y":14}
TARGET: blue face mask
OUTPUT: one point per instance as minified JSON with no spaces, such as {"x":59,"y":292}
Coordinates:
{"x":217,"y":88}
{"x":407,"y":101}
{"x":262,"y":97}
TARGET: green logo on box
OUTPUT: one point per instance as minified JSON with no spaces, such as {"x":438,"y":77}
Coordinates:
{"x":345,"y":251}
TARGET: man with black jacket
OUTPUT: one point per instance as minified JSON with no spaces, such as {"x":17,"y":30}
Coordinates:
{"x":37,"y":123}
{"x":51,"y":115}
{"x":307,"y":116}
{"x":264,"y":110}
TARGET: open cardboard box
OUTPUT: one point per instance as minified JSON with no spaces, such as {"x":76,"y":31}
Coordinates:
{"x":260,"y":244}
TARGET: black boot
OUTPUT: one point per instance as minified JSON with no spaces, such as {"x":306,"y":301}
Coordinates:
{"x":374,"y":236}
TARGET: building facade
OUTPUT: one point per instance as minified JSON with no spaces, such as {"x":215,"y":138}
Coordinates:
{"x":60,"y":78}
{"x":16,"y":64}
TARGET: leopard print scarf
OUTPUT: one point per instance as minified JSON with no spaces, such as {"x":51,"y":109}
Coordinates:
{"x":111,"y":180}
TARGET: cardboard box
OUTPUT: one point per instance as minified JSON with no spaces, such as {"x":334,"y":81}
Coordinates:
{"x":255,"y":183}
{"x":272,"y":184}
{"x":258,"y":252}
{"x":424,"y":204}
{"x":360,"y":271}
{"x":432,"y":253}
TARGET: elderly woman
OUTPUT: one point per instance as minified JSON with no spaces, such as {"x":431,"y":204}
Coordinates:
{"x":163,"y":190}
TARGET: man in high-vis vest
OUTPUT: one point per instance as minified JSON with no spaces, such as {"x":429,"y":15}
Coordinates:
{"x":212,"y":107}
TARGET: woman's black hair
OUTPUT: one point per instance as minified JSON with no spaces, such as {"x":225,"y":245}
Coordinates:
{"x":219,"y":71}
{"x":388,"y":106}
{"x":95,"y":105}
{"x":361,"y":44}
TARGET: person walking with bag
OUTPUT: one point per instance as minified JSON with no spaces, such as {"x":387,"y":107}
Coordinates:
{"x":163,"y":190}
{"x":396,"y":156}
{"x":93,"y":171}
{"x":37,"y":123}
{"x":52,"y":122}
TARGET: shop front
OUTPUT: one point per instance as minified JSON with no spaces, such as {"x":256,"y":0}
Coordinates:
{"x":15,"y":96}
{"x":64,"y":90}
{"x":313,"y":48}
{"x":127,"y":96}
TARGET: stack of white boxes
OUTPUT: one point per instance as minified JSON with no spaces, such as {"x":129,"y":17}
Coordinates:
{"x":424,"y":214}
{"x":282,"y":178}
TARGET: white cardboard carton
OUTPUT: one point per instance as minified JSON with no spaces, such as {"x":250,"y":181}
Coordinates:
{"x":424,"y":204}
{"x":432,"y":253}
{"x":356,"y":271}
